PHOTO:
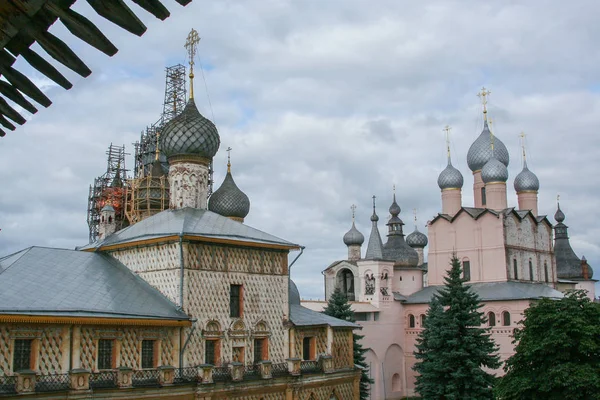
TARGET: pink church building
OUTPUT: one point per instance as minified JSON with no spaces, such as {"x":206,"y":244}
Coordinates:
{"x":511,"y":256}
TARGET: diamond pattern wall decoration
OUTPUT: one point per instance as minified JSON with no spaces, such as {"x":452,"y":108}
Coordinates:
{"x":4,"y":349}
{"x":50,"y":357}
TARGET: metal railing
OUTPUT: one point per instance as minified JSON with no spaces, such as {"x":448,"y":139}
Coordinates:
{"x":310,"y":367}
{"x":252,"y":372}
{"x":280,"y":369}
{"x":103,"y":379}
{"x":221,"y":374}
{"x":8,"y":384}
{"x":145,"y":377}
{"x":186,"y":375}
{"x":52,"y":383}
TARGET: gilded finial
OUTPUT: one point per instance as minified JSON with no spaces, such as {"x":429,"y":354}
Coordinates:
{"x":353,"y":208}
{"x":522,"y":135}
{"x":374,"y":197}
{"x":447,"y":130}
{"x":558,"y":199}
{"x":483,"y":96}
{"x":415,"y":215}
{"x":229,"y":159}
{"x":491,"y":136}
{"x":156,"y":149}
{"x":190,"y":44}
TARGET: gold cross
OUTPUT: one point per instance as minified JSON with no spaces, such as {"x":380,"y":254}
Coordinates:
{"x":190,"y":44}
{"x":522,"y":135}
{"x":447,"y":130}
{"x":353,"y":208}
{"x":229,"y":159}
{"x":483,"y":96}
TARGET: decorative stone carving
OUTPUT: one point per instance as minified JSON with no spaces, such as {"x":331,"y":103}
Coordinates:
{"x":294,"y":366}
{"x":124,"y":375}
{"x":205,"y":373}
{"x":166,"y":375}
{"x":266,"y":368}
{"x":326,"y":363}
{"x":25,"y":381}
{"x":80,"y":379}
{"x":237,"y":371}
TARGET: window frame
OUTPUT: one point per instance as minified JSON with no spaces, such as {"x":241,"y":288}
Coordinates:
{"x":483,"y":197}
{"x":466,"y":265}
{"x":30,"y":357}
{"x":216,"y":344}
{"x":236,"y":302}
{"x":530,"y":270}
{"x":491,"y":319}
{"x":154,"y":354}
{"x":411,"y":321}
{"x":311,"y":343}
{"x":505,"y":318}
{"x":515,"y":269}
{"x":100,"y":357}
{"x":546,"y":272}
{"x":263,"y":354}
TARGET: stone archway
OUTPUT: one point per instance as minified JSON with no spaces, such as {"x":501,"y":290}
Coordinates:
{"x":345,"y":281}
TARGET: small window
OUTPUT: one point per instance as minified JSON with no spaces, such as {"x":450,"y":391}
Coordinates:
{"x":235,"y":301}
{"x":148,"y":354}
{"x":422,"y":320}
{"x":238,"y":354}
{"x":515,"y":268}
{"x":396,"y":385}
{"x":260,"y":350}
{"x":483,"y":199}
{"x":22,"y":354}
{"x":530,"y":271}
{"x":376,"y":316}
{"x":211,"y":352}
{"x":506,"y":318}
{"x":411,"y":321}
{"x":491,"y":319}
{"x":308,"y":348}
{"x":105,"y":354}
{"x":361,"y":316}
{"x":401,"y":278}
{"x":545,"y":271}
{"x":467,"y":270}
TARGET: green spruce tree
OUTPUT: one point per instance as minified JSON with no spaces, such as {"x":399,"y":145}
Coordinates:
{"x":558,"y":352}
{"x":454,"y":348}
{"x":338,"y":307}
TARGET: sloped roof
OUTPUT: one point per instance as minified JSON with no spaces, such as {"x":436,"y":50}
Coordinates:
{"x":475,"y":213}
{"x":493,"y":291}
{"x":302,"y":316}
{"x":190,"y":222}
{"x":60,"y":282}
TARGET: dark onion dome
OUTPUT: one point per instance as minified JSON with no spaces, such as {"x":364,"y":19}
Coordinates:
{"x":417,"y":239}
{"x":294,"y":294}
{"x":353,"y":237}
{"x":228,"y":200}
{"x":190,"y":133}
{"x":395,"y":208}
{"x":494,"y":171}
{"x":568,"y":265}
{"x":450,"y":178}
{"x":480,"y":151}
{"x":526,"y":181}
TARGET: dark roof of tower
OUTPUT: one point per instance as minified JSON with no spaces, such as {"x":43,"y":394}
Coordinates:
{"x":568,"y":265}
{"x":228,"y":200}
{"x":59,"y":282}
{"x":480,"y":151}
{"x":417,"y":239}
{"x":396,"y":249}
{"x":190,"y":133}
{"x":375,"y":245}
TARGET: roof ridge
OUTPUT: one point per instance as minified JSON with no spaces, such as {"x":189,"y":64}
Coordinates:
{"x":24,"y":251}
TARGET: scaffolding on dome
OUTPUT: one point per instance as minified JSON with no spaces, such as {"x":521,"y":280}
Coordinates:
{"x":109,"y":188}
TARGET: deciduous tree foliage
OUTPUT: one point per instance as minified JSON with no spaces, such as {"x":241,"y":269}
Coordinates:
{"x":338,"y":307}
{"x":558,"y":352}
{"x":454,"y":348}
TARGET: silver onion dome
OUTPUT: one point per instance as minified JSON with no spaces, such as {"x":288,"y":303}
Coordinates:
{"x":559,"y":216}
{"x":228,"y":200}
{"x":526,"y":181}
{"x":353,"y":237}
{"x":450,"y":178}
{"x":480,"y":151}
{"x":494,"y":171}
{"x":190,"y":133}
{"x":417,"y":239}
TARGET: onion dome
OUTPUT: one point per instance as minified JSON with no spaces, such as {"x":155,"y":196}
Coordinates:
{"x":190,"y":133}
{"x":559,"y":216}
{"x":450,"y":178}
{"x":481,"y":152}
{"x":494,"y":171}
{"x":228,"y":200}
{"x":353,"y":237}
{"x":417,"y":239}
{"x":526,"y":181}
{"x":294,"y":294}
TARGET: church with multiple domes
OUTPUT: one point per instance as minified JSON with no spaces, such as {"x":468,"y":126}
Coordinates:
{"x":510,"y":257}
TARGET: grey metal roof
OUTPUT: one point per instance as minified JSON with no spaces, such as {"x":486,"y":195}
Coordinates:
{"x":375,"y":245}
{"x":59,"y":282}
{"x":228,"y":200}
{"x":417,"y":239}
{"x":302,"y":316}
{"x":494,"y":291}
{"x":494,"y":171}
{"x":191,"y":222}
{"x":526,"y":180}
{"x":481,"y":150}
{"x":450,"y":177}
{"x":190,"y":133}
{"x":353,"y":237}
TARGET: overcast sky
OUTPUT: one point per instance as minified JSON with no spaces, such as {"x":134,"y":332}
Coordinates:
{"x":326,"y":104}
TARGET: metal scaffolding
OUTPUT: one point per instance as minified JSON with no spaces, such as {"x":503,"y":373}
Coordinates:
{"x":108,"y":188}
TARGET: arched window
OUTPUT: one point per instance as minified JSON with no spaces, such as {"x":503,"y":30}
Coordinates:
{"x":345,"y":281}
{"x":411,"y":321}
{"x":506,"y":318}
{"x":109,"y":219}
{"x":545,"y":271}
{"x":396,"y":385}
{"x":491,"y":319}
{"x":466,"y":264}
{"x":530,"y":270}
{"x":515,"y":268}
{"x":422,"y":320}
{"x":483,"y":199}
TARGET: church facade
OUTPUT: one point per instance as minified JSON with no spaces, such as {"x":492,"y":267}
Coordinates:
{"x":188,"y":302}
{"x":510,"y":256}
